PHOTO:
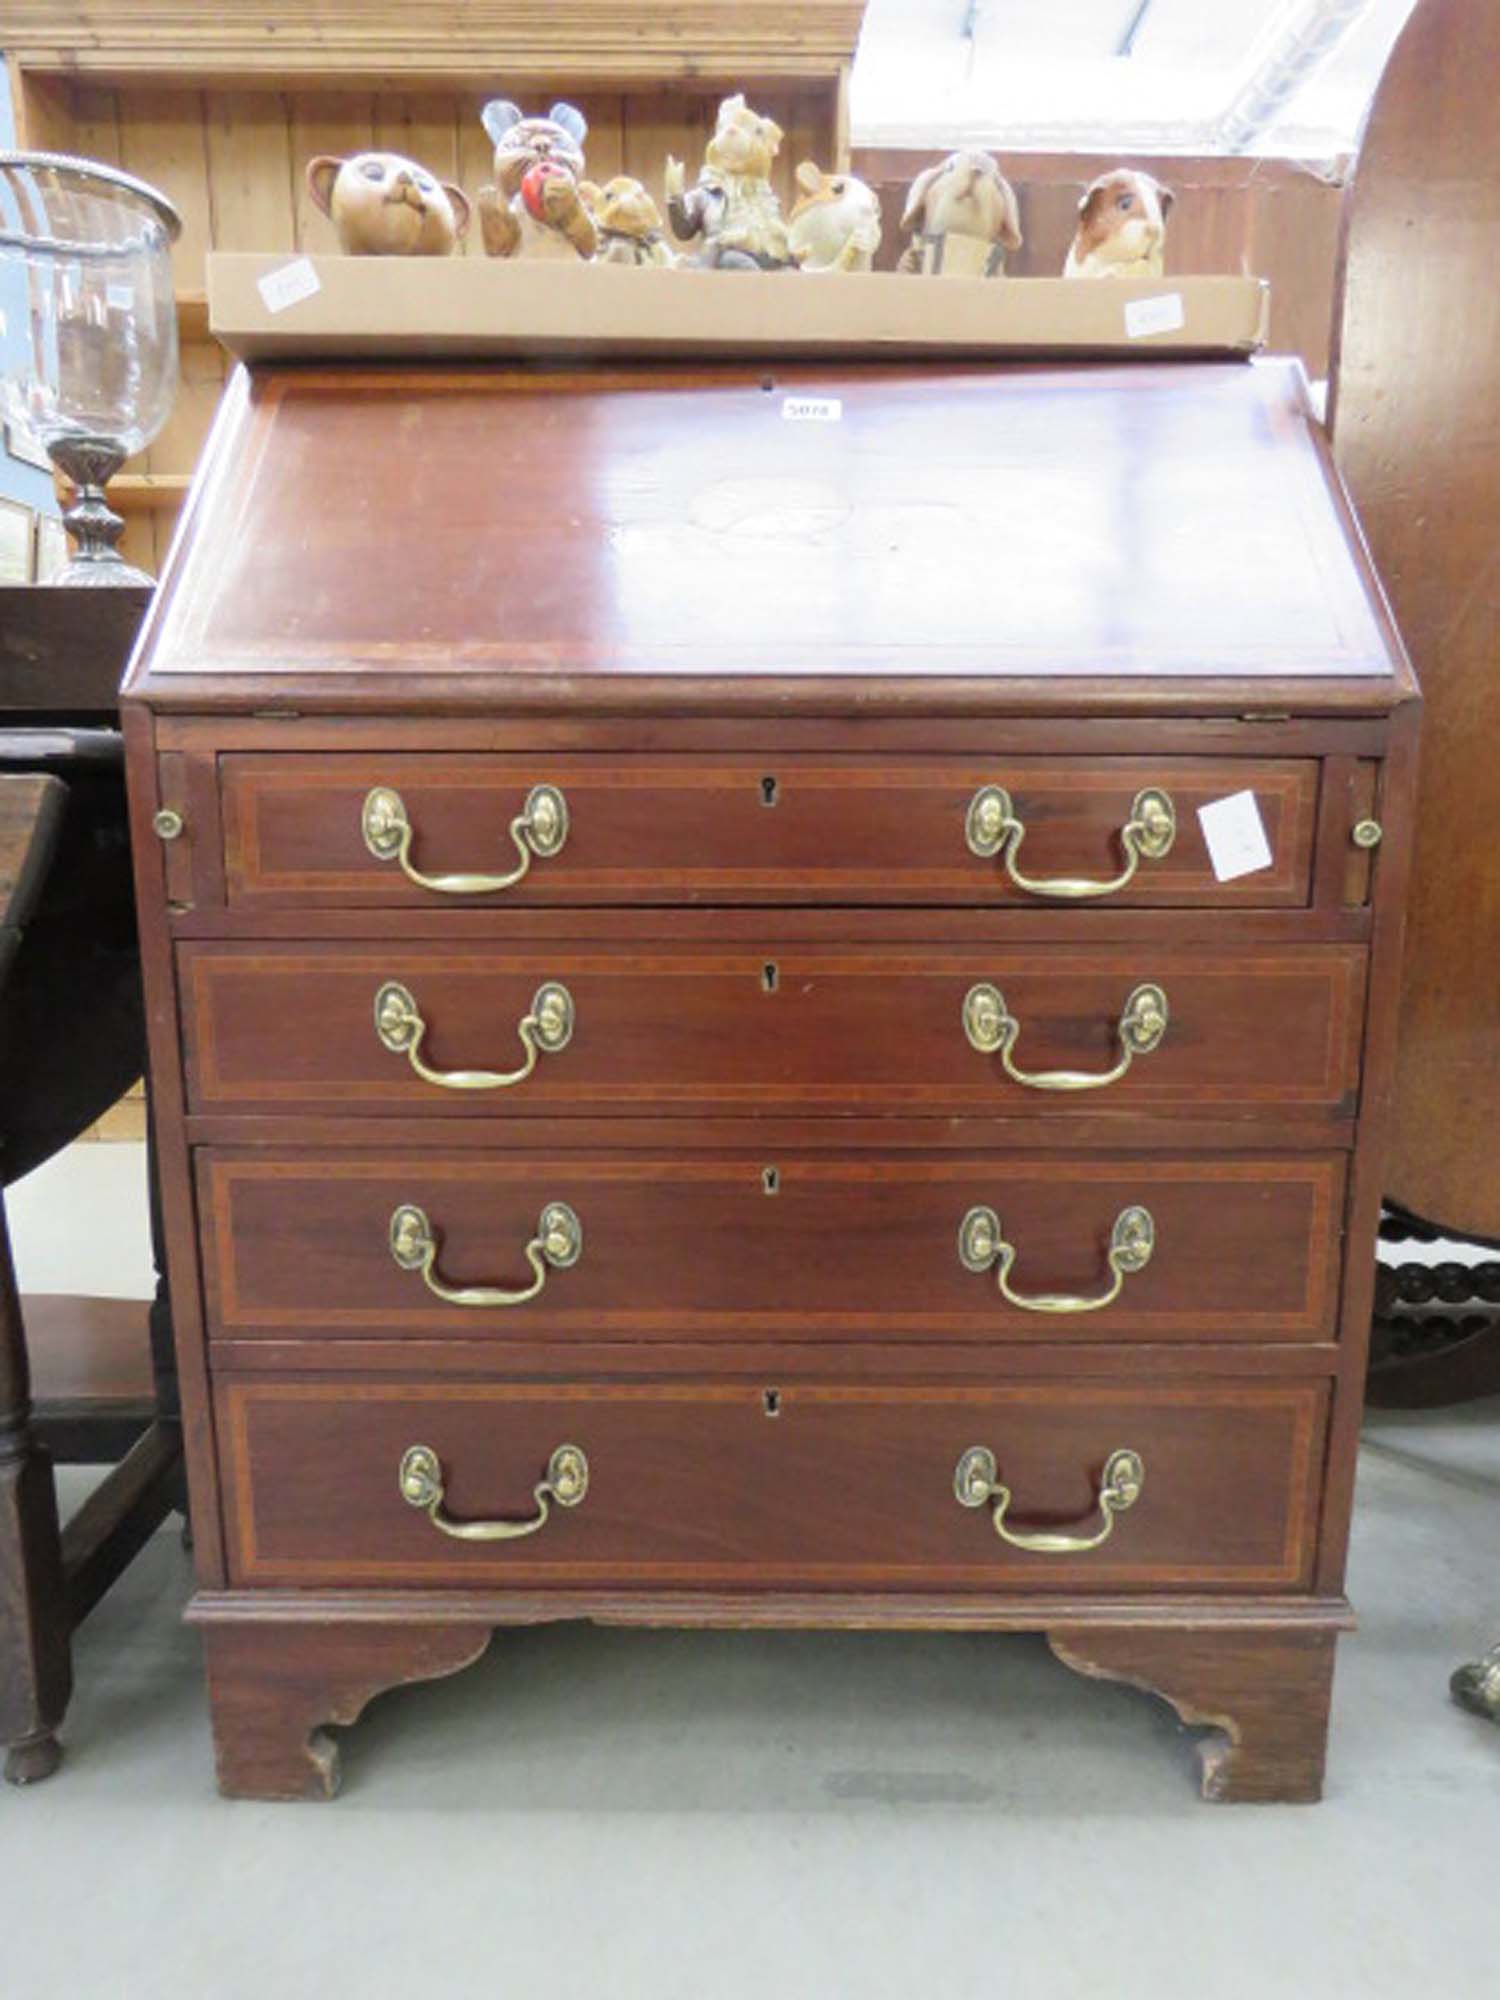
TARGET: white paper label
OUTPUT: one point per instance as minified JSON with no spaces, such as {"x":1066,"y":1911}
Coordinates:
{"x":1147,"y":316}
{"x":812,"y":409}
{"x":1235,"y":836}
{"x":288,"y":284}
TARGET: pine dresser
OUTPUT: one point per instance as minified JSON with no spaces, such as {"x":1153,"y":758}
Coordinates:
{"x":772,"y":1000}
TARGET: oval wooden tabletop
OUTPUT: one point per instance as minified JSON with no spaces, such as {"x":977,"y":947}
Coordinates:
{"x":1416,"y":405}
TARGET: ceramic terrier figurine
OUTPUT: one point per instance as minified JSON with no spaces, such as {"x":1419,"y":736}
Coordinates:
{"x":733,"y":207}
{"x":1122,"y":228}
{"x":629,"y":223}
{"x":535,"y":208}
{"x":964,"y":215}
{"x":835,"y":225}
{"x":384,"y":206}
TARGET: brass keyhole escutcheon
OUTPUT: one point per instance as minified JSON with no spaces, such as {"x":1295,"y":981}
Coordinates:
{"x":770,"y":975}
{"x":770,"y":1180}
{"x":769,"y":791}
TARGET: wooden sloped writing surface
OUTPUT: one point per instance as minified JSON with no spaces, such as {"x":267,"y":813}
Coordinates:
{"x":1128,"y":522}
{"x":1415,"y":417}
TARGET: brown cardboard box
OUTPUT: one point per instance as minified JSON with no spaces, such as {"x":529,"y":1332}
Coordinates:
{"x":271,"y":306}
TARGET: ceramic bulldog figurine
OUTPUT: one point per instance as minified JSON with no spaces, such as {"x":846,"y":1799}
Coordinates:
{"x":733,"y":206}
{"x":964,"y":217}
{"x":628,"y":222}
{"x":1122,"y":228}
{"x":835,"y":223}
{"x":535,"y":208}
{"x":385,"y":206}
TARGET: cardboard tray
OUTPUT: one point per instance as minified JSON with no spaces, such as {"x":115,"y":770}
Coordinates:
{"x":275,"y":307}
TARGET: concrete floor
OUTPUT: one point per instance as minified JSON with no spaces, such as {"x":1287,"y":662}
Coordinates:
{"x":614,"y":1814}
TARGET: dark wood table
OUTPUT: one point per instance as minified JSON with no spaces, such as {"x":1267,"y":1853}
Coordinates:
{"x":83,"y":1380}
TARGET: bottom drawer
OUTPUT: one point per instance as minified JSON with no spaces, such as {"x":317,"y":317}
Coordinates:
{"x":690,"y":1485}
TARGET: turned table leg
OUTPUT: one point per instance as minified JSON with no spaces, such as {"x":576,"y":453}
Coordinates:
{"x":272,"y":1687}
{"x":1266,"y":1691}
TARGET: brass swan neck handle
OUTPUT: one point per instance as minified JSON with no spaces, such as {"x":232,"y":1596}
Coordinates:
{"x":982,"y":1244}
{"x":989,"y":1026}
{"x":539,"y":829}
{"x":566,"y":1481}
{"x":993,"y":826}
{"x":546,"y":1029}
{"x":976,"y":1479}
{"x":415,"y":1244}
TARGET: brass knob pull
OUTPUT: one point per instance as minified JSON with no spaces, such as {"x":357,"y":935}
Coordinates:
{"x":990,"y":1025}
{"x":545,"y":1030}
{"x":539,"y":828}
{"x":982,"y":1244}
{"x":992,"y":827}
{"x":976,"y":1479}
{"x":566,"y":1481}
{"x":415,"y":1245}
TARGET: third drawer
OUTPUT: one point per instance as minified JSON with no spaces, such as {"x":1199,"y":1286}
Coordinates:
{"x":309,"y":1245}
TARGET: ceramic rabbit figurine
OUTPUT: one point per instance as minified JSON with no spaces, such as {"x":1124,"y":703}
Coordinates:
{"x":964,"y":217}
{"x":733,"y":206}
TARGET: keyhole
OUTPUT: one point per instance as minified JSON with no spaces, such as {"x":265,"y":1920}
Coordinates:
{"x":768,"y":789}
{"x":769,"y":975}
{"x":771,"y":1399}
{"x":770,"y":1180}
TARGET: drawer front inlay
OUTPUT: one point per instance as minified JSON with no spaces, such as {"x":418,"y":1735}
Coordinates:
{"x":735,"y":829}
{"x":661,"y":1028}
{"x":677,"y":1246}
{"x":697,"y":1483}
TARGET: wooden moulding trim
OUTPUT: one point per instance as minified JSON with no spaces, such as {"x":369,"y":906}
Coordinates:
{"x":180,"y":40}
{"x":1034,"y":1612}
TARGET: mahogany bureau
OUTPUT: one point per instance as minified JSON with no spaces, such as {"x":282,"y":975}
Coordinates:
{"x":771,"y":1019}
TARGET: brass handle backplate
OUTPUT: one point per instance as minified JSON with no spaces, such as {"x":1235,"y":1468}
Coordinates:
{"x":976,"y":1479}
{"x":992,"y":826}
{"x":415,"y":1244}
{"x":566,"y":1481}
{"x":981,"y":1243}
{"x":539,"y":828}
{"x":990,"y":1025}
{"x":546,"y":1029}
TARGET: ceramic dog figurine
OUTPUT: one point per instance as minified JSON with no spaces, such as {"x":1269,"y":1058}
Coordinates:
{"x":835,"y":222}
{"x":628,"y":222}
{"x":733,"y":206}
{"x":385,"y":206}
{"x":1122,"y":228}
{"x":963,"y":216}
{"x":535,"y":208}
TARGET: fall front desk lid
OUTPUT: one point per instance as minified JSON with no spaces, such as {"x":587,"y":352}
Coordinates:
{"x":923,"y":521}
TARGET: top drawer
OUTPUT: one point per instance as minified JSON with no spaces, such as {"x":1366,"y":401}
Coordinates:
{"x":455,"y":831}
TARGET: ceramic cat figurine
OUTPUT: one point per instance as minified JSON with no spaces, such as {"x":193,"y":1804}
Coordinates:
{"x":385,"y":206}
{"x":535,"y":208}
{"x":835,"y":223}
{"x":628,"y":222}
{"x":733,"y":206}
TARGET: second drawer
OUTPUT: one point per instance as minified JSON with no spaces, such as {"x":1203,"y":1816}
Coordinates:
{"x":313,"y":1245}
{"x":673,"y":1027}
